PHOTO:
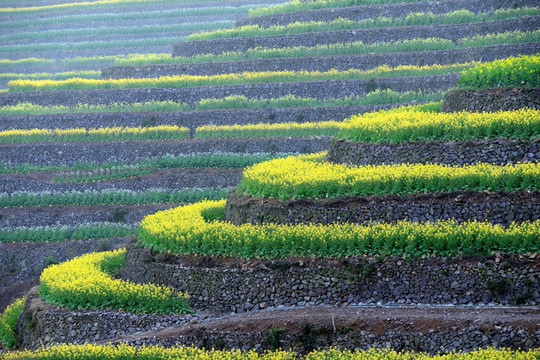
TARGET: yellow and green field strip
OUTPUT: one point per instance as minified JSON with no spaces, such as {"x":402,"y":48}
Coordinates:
{"x":156,"y":352}
{"x":161,"y":132}
{"x":184,"y":81}
{"x":88,"y":74}
{"x":399,"y":125}
{"x":402,"y":126}
{"x":90,"y":45}
{"x":110,"y":196}
{"x":8,"y":323}
{"x":455,"y":17}
{"x":131,"y":15}
{"x":86,"y":282}
{"x":83,"y":5}
{"x":351,"y":48}
{"x":521,"y":71}
{"x":117,"y":30}
{"x":82,"y":231}
{"x":90,"y":171}
{"x":308,"y":176}
{"x":198,"y":229}
{"x":297,"y":5}
{"x":377,"y":97}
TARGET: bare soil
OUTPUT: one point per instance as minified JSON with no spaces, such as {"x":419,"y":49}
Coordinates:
{"x":376,"y":320}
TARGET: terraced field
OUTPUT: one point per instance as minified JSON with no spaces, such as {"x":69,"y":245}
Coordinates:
{"x":232,"y":174}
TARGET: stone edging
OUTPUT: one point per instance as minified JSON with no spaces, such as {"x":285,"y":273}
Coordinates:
{"x":224,"y":285}
{"x":325,"y":63}
{"x":462,"y":206}
{"x":44,"y":324}
{"x":491,"y":100}
{"x":457,"y":153}
{"x":452,"y":32}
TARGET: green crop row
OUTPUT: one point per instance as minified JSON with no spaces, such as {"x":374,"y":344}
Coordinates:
{"x":90,"y":45}
{"x":352,"y":48}
{"x":297,"y":5}
{"x":150,"y":106}
{"x":88,"y":74}
{"x":309,"y":177}
{"x":306,"y":129}
{"x":40,"y":63}
{"x":116,"y":172}
{"x":84,"y":231}
{"x":521,"y":71}
{"x":156,"y":352}
{"x":455,"y":17}
{"x":182,"y":161}
{"x":160,"y":132}
{"x":84,"y":5}
{"x":136,"y":15}
{"x":184,"y":81}
{"x":117,"y":30}
{"x":8,"y":323}
{"x":197,"y":229}
{"x":377,"y":97}
{"x":87,"y":282}
{"x":109,"y":197}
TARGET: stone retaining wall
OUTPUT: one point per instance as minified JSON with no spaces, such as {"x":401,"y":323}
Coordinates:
{"x":44,"y":324}
{"x":316,"y":89}
{"x":129,"y":152}
{"x":493,"y":151}
{"x":462,"y":206}
{"x":367,"y":36}
{"x":325,"y":63}
{"x":225,"y":285}
{"x":399,"y":10}
{"x":191,"y":119}
{"x":491,"y":100}
{"x":462,"y":338}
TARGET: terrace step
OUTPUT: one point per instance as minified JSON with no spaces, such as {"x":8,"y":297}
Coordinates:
{"x":222,"y":285}
{"x":31,"y":257}
{"x":191,"y":119}
{"x":75,"y":39}
{"x":74,"y":215}
{"x":495,"y":207}
{"x":141,"y":7}
{"x":397,"y":10}
{"x":139,"y":22}
{"x":428,"y":328}
{"x":457,"y":153}
{"x":324,"y":89}
{"x":325,"y":63}
{"x":369,"y":36}
{"x":63,"y":54}
{"x":130,"y":152}
{"x":171,"y":179}
{"x":491,"y":100}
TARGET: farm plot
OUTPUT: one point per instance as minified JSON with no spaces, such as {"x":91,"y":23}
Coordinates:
{"x":208,"y":166}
